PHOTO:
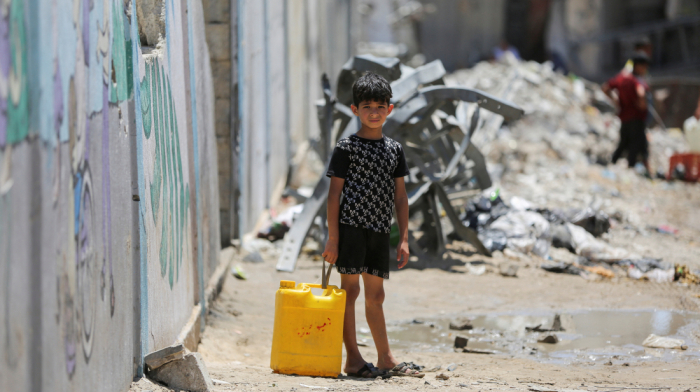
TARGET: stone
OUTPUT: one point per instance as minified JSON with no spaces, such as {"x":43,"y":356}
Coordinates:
{"x":550,"y":339}
{"x":151,"y":18}
{"x":461,"y":342}
{"x":187,"y":374}
{"x":442,"y":376}
{"x":159,"y":358}
{"x":461,"y":325}
{"x":219,"y":41}
{"x":508,"y":270}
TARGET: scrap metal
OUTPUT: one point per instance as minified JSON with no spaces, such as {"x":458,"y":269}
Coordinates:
{"x":432,"y":122}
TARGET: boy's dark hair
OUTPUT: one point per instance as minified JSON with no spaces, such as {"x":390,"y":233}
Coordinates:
{"x":371,"y":87}
{"x":640,"y":58}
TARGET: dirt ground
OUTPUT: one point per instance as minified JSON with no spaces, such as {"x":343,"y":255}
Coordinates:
{"x":237,"y":342}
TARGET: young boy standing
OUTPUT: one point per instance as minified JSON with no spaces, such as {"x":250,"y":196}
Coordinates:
{"x":369,"y":169}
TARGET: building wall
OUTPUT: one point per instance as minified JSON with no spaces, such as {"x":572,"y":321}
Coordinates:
{"x":108,"y":189}
{"x":462,"y":32}
{"x":282,"y":49}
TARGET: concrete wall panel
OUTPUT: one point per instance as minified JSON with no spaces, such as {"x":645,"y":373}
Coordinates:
{"x":105,"y":117}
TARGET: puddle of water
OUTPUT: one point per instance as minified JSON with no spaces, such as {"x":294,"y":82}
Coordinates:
{"x":588,"y":335}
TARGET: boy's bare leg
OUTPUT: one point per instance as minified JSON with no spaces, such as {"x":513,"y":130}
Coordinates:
{"x":354,"y":360}
{"x":374,"y":300}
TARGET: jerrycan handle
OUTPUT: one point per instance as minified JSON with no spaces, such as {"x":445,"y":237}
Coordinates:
{"x":325,"y":278}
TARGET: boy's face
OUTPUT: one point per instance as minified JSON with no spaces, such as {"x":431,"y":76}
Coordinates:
{"x":372,"y":114}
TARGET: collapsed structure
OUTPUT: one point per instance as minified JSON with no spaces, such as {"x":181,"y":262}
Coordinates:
{"x":435,"y":123}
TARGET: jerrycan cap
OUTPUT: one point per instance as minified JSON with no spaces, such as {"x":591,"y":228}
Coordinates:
{"x":287,"y":284}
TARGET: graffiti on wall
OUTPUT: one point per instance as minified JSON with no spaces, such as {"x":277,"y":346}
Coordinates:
{"x":13,"y":128}
{"x":14,"y":114}
{"x":167,"y":189}
{"x":86,"y":278}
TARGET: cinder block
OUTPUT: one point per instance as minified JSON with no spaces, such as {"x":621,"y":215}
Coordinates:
{"x":221,"y":75}
{"x":217,"y":11}
{"x":219,"y":41}
{"x":222,"y":115}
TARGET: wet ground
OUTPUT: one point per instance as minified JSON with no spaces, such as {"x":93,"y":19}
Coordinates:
{"x":595,"y":336}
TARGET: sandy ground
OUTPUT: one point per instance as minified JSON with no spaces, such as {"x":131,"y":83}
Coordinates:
{"x":236,"y":344}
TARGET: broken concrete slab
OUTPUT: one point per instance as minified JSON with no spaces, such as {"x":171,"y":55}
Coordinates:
{"x":460,"y":342}
{"x":159,"y":358}
{"x":187,"y":374}
{"x":550,"y":339}
{"x":461,"y":325}
{"x":509,"y":270}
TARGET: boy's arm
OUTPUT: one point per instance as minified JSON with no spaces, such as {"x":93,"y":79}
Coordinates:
{"x":641,"y":97}
{"x":401,"y":203}
{"x":330,"y":254}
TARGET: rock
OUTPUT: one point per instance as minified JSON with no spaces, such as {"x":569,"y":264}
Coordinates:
{"x":254,"y":257}
{"x":151,"y":17}
{"x":451,"y":367}
{"x":550,"y":339}
{"x":442,"y":376}
{"x":508,"y":269}
{"x":461,"y":342}
{"x":609,"y":363}
{"x":187,"y":374}
{"x":461,"y":325}
{"x":159,"y":358}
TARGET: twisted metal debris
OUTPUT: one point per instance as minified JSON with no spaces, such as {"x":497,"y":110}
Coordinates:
{"x":435,"y":124}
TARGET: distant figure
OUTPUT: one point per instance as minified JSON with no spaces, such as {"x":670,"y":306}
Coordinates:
{"x":504,"y":50}
{"x":643,"y":45}
{"x":632,"y":101}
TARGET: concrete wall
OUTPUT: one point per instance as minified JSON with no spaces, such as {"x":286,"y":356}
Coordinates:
{"x":280,"y":51}
{"x":462,"y":32}
{"x":108,"y":189}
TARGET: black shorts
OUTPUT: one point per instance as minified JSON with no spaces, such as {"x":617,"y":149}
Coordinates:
{"x":633,"y":141}
{"x":362,"y":250}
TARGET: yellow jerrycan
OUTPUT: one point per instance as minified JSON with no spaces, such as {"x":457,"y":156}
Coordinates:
{"x":308,"y":331}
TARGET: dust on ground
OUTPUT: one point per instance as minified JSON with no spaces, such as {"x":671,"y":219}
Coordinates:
{"x":554,"y":158}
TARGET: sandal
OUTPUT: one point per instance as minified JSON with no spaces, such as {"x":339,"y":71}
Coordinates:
{"x":407,"y":369}
{"x":368,"y":370}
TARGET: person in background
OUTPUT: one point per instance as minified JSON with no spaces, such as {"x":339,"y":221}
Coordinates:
{"x":631,"y":99}
{"x":504,"y":49}
{"x":643,"y":45}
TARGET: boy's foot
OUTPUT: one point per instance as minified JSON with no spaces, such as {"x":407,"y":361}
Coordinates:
{"x":406,"y":369}
{"x":368,"y":370}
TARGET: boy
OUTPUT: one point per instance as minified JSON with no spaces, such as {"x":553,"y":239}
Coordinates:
{"x":632,"y":100}
{"x":368,"y":168}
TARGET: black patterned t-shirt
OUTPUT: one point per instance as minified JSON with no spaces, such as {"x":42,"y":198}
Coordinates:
{"x":369,"y":168}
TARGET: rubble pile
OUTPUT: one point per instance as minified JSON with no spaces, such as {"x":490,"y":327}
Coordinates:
{"x":565,"y":117}
{"x":555,"y":164}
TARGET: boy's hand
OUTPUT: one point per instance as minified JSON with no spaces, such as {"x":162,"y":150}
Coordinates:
{"x":402,"y":253}
{"x":330,"y":254}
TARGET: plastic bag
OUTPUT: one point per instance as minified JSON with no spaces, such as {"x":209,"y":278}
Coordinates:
{"x":655,"y":341}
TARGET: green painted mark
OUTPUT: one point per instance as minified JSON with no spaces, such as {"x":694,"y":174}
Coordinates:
{"x":168,"y":186}
{"x":17,"y":93}
{"x":146,"y":102}
{"x":157,"y":175}
{"x":123,"y":84}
